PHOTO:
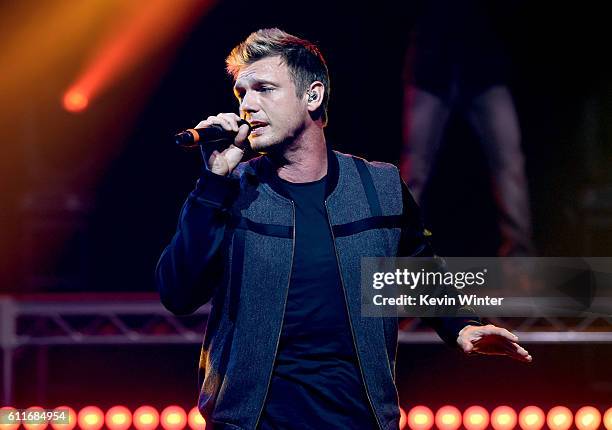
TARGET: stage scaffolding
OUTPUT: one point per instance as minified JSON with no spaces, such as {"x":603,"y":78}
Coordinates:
{"x":116,"y":319}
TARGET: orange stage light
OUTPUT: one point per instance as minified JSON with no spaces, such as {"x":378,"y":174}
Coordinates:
{"x":72,"y":420}
{"x":91,"y":418}
{"x":448,"y":418}
{"x":475,"y":418}
{"x":140,"y":34}
{"x":403,"y":419}
{"x":75,"y":101}
{"x":532,"y":418}
{"x":40,"y":425}
{"x":14,"y":425}
{"x":173,"y":418}
{"x":559,"y":418}
{"x":420,"y":418}
{"x":195,"y":419}
{"x":587,"y":418}
{"x":118,"y":418}
{"x":607,"y":419}
{"x":503,"y":418}
{"x":146,"y":418}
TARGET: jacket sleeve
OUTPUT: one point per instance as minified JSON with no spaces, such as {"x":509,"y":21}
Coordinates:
{"x":414,"y":242}
{"x":191,"y":266}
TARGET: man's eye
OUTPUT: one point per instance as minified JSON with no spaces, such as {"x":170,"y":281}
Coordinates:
{"x":265,"y":89}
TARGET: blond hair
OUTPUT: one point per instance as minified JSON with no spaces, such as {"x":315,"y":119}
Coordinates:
{"x":303,"y":59}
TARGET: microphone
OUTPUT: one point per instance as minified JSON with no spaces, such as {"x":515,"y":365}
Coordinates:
{"x":201,"y":136}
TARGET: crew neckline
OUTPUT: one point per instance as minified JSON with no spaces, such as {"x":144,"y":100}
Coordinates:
{"x":301,"y":184}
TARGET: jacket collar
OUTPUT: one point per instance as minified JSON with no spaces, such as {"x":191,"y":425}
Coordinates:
{"x":266,"y":173}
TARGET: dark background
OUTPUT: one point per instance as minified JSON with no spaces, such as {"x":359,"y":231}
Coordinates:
{"x":560,"y":80}
{"x":562,"y":85}
{"x":431,"y":375}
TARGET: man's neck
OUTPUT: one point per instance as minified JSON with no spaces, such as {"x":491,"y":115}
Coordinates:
{"x":305,"y":160}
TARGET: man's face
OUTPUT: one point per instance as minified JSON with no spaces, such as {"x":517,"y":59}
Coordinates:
{"x":268,"y":101}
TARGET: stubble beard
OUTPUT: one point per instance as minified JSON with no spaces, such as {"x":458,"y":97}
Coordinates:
{"x":262,"y":145}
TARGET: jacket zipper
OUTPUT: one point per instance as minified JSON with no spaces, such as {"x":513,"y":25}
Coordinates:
{"x":348,"y":314}
{"x":281,"y":324}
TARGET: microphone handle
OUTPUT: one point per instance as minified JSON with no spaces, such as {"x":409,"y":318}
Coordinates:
{"x":199,"y":136}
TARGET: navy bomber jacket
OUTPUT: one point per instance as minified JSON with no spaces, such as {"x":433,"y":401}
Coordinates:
{"x":234,"y":246}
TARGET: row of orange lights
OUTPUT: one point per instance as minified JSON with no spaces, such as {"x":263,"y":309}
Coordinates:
{"x":418,"y":418}
{"x":117,"y":418}
{"x":504,"y":418}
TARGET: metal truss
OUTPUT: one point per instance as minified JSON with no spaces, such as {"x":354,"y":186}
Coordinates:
{"x":86,"y":321}
{"x":112,"y":319}
{"x":586,"y":329}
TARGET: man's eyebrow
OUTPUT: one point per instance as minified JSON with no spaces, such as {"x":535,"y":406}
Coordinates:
{"x":254,"y":82}
{"x":264,"y":81}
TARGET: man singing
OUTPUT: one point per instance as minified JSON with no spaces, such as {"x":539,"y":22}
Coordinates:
{"x":276,"y":243}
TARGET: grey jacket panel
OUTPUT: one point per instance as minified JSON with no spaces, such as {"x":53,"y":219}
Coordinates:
{"x":240,"y":253}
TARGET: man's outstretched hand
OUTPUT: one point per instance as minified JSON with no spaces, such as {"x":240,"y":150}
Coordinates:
{"x":491,"y":340}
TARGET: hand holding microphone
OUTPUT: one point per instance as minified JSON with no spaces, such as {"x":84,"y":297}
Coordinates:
{"x":217,"y":128}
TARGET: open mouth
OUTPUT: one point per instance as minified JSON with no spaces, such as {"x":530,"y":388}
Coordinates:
{"x":257,"y":127}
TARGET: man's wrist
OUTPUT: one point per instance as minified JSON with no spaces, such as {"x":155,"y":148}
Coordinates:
{"x":468,"y":324}
{"x":215,"y":190}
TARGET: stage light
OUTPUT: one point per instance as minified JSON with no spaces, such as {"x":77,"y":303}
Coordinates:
{"x":72,"y":419}
{"x":75,"y":101}
{"x":532,"y":418}
{"x":90,"y":418}
{"x":146,"y":418}
{"x":35,"y":425}
{"x":503,"y":418}
{"x":118,"y":418}
{"x":475,"y":418}
{"x":420,"y":418}
{"x":173,"y":418}
{"x":195,"y":419}
{"x":559,"y":418}
{"x":14,"y":424}
{"x":607,"y":419}
{"x":139,"y":33}
{"x":448,"y":418}
{"x":587,"y":418}
{"x":403,"y":419}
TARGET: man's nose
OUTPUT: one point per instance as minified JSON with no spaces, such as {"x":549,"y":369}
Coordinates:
{"x":249,"y":103}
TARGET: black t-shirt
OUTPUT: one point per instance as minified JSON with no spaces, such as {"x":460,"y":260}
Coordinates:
{"x":316,"y":382}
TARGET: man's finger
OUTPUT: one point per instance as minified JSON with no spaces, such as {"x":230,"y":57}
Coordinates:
{"x":515,"y":348}
{"x":241,"y":137}
{"x":233,"y":155}
{"x":203,"y":124}
{"x":216,"y":120}
{"x":232,"y":119}
{"x":466,"y":345}
{"x":519,"y":357}
{"x":494,"y":344}
{"x":502,"y":346}
{"x":226,"y":123}
{"x":522,"y":351}
{"x":491,"y":329}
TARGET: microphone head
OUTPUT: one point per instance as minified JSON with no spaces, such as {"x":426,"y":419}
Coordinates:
{"x":184,"y":138}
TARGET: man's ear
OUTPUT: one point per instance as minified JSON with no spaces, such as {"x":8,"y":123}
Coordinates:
{"x":314,"y":95}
